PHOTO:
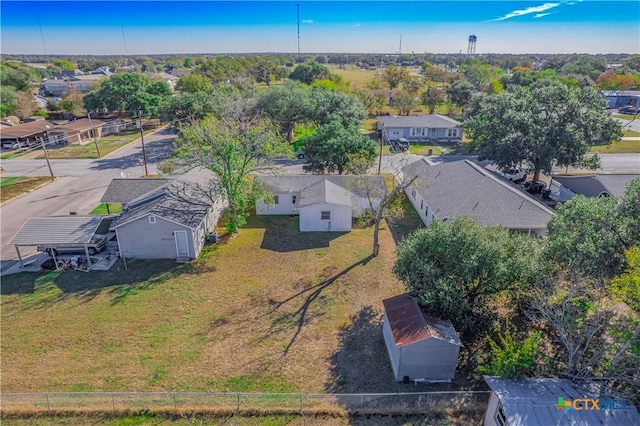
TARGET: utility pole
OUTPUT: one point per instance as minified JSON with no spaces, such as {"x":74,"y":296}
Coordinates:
{"x":380,"y":157}
{"x":46,"y":155}
{"x":144,"y":153}
{"x":93,"y":133}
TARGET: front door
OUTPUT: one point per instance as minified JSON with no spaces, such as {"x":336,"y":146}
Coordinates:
{"x":182,"y":244}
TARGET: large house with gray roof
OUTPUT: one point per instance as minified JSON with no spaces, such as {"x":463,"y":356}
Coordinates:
{"x":463,"y":188}
{"x":323,"y":202}
{"x":420,"y":128}
{"x":171,"y":222}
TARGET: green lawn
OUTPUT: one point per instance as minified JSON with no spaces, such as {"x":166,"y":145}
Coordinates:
{"x":624,"y":116}
{"x":414,"y":149}
{"x":621,"y":147}
{"x":107,"y":145}
{"x":102,"y":209}
{"x":268,"y":310}
{"x":11,"y":187}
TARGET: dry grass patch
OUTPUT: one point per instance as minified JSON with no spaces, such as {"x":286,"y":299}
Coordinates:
{"x":11,"y":187}
{"x":260,"y":312}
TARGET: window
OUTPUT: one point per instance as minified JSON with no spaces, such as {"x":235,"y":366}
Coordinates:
{"x":452,"y":133}
{"x":418,"y":131}
{"x":421,"y":204}
{"x":500,"y":417}
{"x":293,"y":199}
{"x":413,"y":193}
{"x":275,"y":199}
{"x":152,"y":219}
{"x":325,"y":215}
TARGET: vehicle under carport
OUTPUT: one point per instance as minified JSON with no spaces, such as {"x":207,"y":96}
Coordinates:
{"x":57,"y":231}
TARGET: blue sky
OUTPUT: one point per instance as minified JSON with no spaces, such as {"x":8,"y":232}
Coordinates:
{"x":547,"y":26}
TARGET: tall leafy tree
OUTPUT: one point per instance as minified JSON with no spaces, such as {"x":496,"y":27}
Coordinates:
{"x":460,"y":93}
{"x":395,"y":75}
{"x":286,"y":105}
{"x":194,"y":83}
{"x":308,"y":72}
{"x":545,"y":126}
{"x":333,"y":105}
{"x":335,"y":148}
{"x":432,"y":97}
{"x":128,"y":92}
{"x":454,"y":269}
{"x":232,"y":148}
{"x":404,"y":102}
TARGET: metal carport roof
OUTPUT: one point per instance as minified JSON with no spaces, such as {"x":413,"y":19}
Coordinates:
{"x":58,"y":230}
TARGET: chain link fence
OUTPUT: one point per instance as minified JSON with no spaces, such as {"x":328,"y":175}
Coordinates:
{"x":241,"y":403}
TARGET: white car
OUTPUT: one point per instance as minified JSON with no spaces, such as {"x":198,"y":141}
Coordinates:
{"x":516,"y":174}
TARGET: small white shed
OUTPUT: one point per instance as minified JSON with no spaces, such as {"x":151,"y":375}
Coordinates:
{"x":420,"y":347}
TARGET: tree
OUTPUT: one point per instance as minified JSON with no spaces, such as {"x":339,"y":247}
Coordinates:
{"x":395,"y":75}
{"x":432,"y":97}
{"x":188,"y":108}
{"x":308,"y":72}
{"x":413,"y":84}
{"x":128,"y":92}
{"x":588,"y":235}
{"x":405,"y":102}
{"x":286,"y":105}
{"x":25,"y":104}
{"x":65,"y":65}
{"x":455,"y":268}
{"x":8,"y":101}
{"x":431,"y":72}
{"x":460,"y":93}
{"x":334,"y":147}
{"x":371,"y":102}
{"x":73,"y":102}
{"x":512,"y":356}
{"x":194,"y":83}
{"x":232,"y":148}
{"x":633,"y":63}
{"x":594,"y":338}
{"x":328,"y":106}
{"x":546,"y":126}
{"x":626,"y":286}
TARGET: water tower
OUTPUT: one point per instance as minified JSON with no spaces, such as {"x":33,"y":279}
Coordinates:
{"x":471,"y":49}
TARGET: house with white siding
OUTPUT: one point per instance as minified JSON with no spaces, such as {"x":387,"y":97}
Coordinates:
{"x":462,"y":188}
{"x":419,"y":128}
{"x":172,"y":222}
{"x":323,"y":202}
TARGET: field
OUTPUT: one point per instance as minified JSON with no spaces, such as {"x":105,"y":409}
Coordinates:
{"x":11,"y":187}
{"x":269,"y":310}
{"x":107,"y":144}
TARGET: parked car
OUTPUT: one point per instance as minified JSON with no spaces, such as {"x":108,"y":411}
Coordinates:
{"x":399,"y":145}
{"x":300,"y":154}
{"x":533,"y":186}
{"x":516,"y":174}
{"x":629,"y":109}
{"x":97,"y":244}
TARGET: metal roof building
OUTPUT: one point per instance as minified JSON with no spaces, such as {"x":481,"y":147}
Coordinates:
{"x":126,"y":190}
{"x":56,"y":231}
{"x":420,"y":347}
{"x":558,"y":402}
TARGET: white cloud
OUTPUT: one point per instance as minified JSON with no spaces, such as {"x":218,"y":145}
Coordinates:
{"x":540,"y":15}
{"x":308,"y":21}
{"x":357,"y":25}
{"x":528,"y":11}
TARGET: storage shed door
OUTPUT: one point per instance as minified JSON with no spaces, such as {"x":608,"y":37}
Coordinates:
{"x":182,"y":244}
{"x":395,"y":133}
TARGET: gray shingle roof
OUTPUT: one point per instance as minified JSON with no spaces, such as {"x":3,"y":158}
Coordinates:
{"x":531,"y":402}
{"x":58,"y":230}
{"x":284,"y":184}
{"x":324,"y":192}
{"x":432,"y":121}
{"x":186,"y":201}
{"x":462,"y":188}
{"x":126,"y":190}
{"x":596,"y":184}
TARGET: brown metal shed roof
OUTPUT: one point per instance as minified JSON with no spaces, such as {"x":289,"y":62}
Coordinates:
{"x":410,"y":325}
{"x":81,"y":124}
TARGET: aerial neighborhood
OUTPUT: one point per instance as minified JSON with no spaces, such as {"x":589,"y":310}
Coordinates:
{"x":371,"y":238}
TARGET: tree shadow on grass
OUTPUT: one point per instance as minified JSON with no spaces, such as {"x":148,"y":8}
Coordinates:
{"x":281,"y":234}
{"x":302,"y":316}
{"x":119,"y":282}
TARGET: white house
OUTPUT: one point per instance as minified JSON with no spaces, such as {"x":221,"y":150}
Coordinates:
{"x":463,"y":188}
{"x":323,"y":202}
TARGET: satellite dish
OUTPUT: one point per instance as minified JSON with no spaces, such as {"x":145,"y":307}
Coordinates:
{"x":124,"y":174}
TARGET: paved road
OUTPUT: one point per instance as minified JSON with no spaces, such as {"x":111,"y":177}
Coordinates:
{"x":78,"y":189}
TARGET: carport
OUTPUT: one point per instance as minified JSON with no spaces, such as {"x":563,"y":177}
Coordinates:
{"x":56,"y":231}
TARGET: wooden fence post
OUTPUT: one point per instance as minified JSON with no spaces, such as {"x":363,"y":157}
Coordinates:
{"x":48,"y":403}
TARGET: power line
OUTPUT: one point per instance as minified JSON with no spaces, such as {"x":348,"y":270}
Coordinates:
{"x":42,"y":36}
{"x":125,"y":40}
{"x":298,"y":18}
